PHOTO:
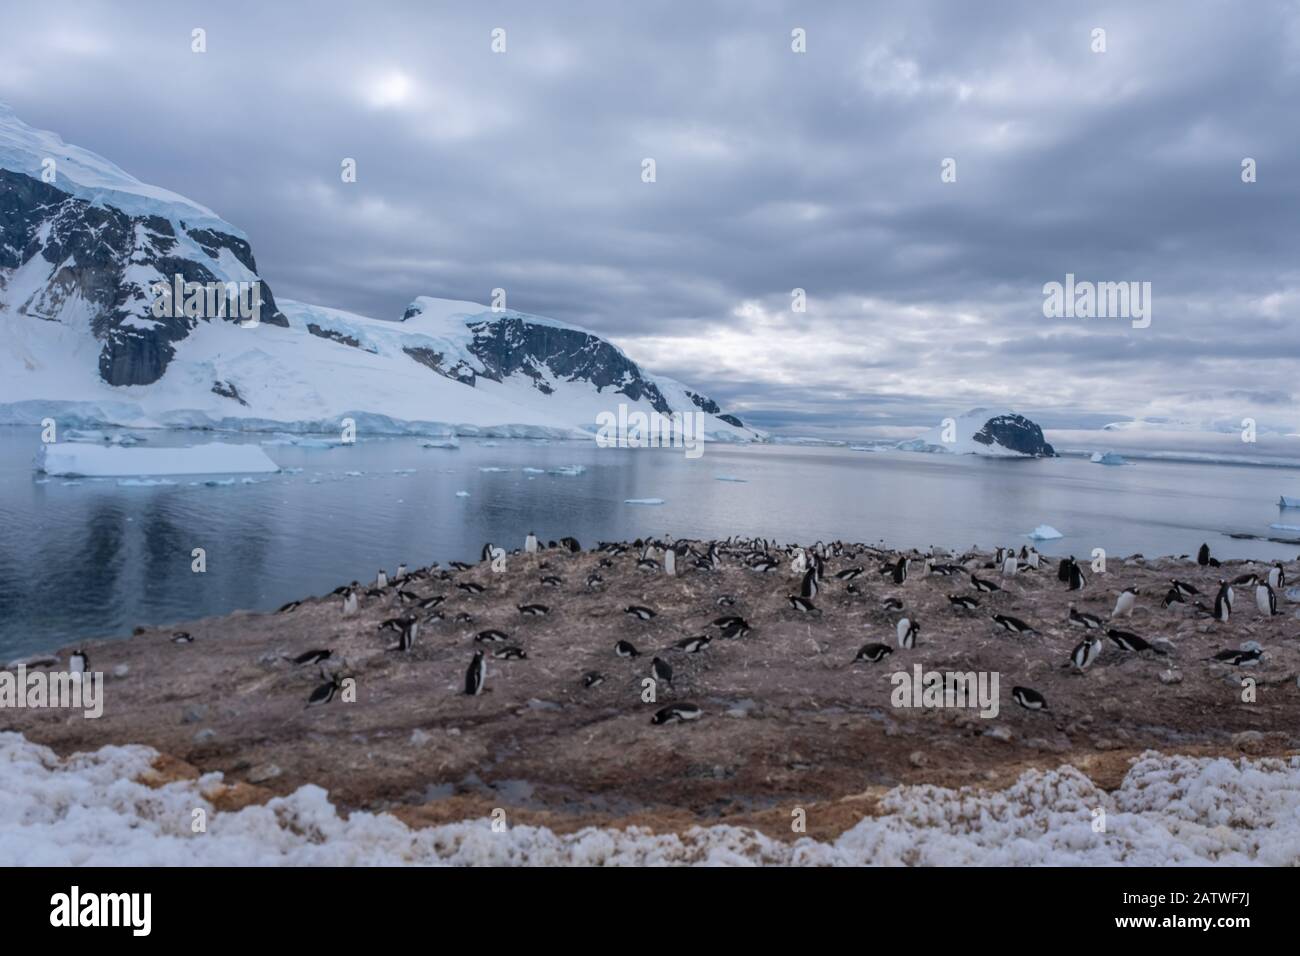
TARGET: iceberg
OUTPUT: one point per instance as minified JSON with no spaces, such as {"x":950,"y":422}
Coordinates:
{"x":1044,"y":532}
{"x":571,"y":471}
{"x":1286,"y":502}
{"x":1108,"y":458}
{"x":643,"y":501}
{"x":114,"y":461}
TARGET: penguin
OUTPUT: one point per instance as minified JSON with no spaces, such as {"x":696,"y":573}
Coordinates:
{"x":647,"y":564}
{"x":625,"y":649}
{"x":764,"y":564}
{"x":349,"y":603}
{"x":476,"y":675}
{"x":401,"y":572}
{"x":410,"y":631}
{"x":1085,"y":652}
{"x":802,"y":605}
{"x":727,"y":621}
{"x":963,"y":602}
{"x":678,"y":712}
{"x":1245,"y":580}
{"x":693,"y":645}
{"x":429,"y":603}
{"x":1031,"y":559}
{"x":470,"y":587}
{"x":1276,"y":576}
{"x":1128,"y":641}
{"x":1029,"y":698}
{"x":291,"y":606}
{"x":533,"y":610}
{"x":530,"y":543}
{"x":670,"y":563}
{"x":433,"y":617}
{"x":396,"y":624}
{"x":1012,"y":624}
{"x":737,"y":628}
{"x":1125,"y":603}
{"x":1089,"y":622}
{"x":900,"y":570}
{"x":78,"y":662}
{"x":799,"y":564}
{"x":324,"y":693}
{"x":491,"y":636}
{"x":570,"y":544}
{"x":1237,"y":658}
{"x":509,"y":653}
{"x":660,"y":671}
{"x":639,"y":612}
{"x":1223,"y":603}
{"x":1010,"y":565}
{"x":1184,"y":590}
{"x":891,"y":604}
{"x":1077,"y":580}
{"x":459,"y":565}
{"x":312,"y":657}
{"x":905,"y":631}
{"x":487,"y":553}
{"x":809,"y":587}
{"x":182,"y":637}
{"x":463,"y":617}
{"x":1203,"y":555}
{"x":592,"y":679}
{"x":872,"y":653}
{"x":594,"y":580}
{"x":406,"y":597}
{"x":1174,"y":596}
{"x":551,"y":581}
{"x":1063,"y":570}
{"x":848,"y":574}
{"x":985,"y":587}
{"x":725,"y":600}
{"x":1266,"y":600}
{"x":381,"y":580}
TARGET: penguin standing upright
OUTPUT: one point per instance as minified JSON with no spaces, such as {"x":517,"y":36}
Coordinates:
{"x":1203,"y":555}
{"x":1077,"y":580}
{"x":670,"y":563}
{"x":381,"y":579}
{"x":530,"y":544}
{"x":809,"y":587}
{"x":906,"y":631}
{"x":1223,"y":602}
{"x":1266,"y":600}
{"x":1276,"y":576}
{"x":349,"y":603}
{"x":1125,"y":603}
{"x":1085,"y":652}
{"x":476,"y":675}
{"x":78,"y":662}
{"x":900,"y":570}
{"x":1010,"y":565}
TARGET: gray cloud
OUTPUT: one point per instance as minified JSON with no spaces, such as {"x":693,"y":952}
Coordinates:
{"x":775,"y":170}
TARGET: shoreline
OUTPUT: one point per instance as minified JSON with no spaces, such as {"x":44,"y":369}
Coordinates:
{"x":788,"y":717}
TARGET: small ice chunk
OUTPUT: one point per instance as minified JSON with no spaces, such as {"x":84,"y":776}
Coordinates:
{"x":462,"y":494}
{"x":643,"y":501}
{"x":534,"y":471}
{"x":569,"y":471}
{"x":1108,"y":458}
{"x":729,"y":478}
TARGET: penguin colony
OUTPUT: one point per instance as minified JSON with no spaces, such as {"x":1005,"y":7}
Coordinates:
{"x":841,"y":579}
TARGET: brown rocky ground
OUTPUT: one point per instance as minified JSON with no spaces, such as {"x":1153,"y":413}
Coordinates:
{"x":788,"y":720}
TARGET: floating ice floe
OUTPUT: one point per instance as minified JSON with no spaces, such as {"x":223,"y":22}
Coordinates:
{"x":493,"y":468}
{"x":1285,"y":502}
{"x":305,"y":441}
{"x":534,"y":471}
{"x":113,"y":461}
{"x":729,"y":478}
{"x":142,"y":482}
{"x":462,"y":494}
{"x":1108,"y":458}
{"x":1285,"y":527}
{"x":106,"y":437}
{"x":643,"y":501}
{"x":1044,"y":532}
{"x":450,"y":444}
{"x":91,"y":809}
{"x":569,"y":471}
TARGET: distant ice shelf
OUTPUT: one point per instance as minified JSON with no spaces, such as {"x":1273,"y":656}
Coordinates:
{"x":116,"y":461}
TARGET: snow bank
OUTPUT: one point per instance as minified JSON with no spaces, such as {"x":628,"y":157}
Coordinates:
{"x":216,"y":458}
{"x":88,"y":810}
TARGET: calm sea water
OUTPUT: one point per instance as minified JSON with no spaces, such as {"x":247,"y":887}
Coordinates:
{"x":94,"y":558}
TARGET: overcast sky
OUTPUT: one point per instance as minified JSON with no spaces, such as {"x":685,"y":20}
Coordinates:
{"x":775,"y":170}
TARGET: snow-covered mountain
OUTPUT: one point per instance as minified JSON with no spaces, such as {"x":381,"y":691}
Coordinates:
{"x":83,"y":245}
{"x":997,"y":433}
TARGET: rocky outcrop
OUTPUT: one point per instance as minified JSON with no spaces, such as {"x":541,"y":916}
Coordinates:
{"x":1017,"y":433}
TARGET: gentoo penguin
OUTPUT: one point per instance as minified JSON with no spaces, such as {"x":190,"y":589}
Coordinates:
{"x":594,"y":580}
{"x":78,"y":662}
{"x":530,"y":544}
{"x":670,"y":563}
{"x":1077,"y":580}
{"x":803,"y":605}
{"x":1237,"y":658}
{"x":660,"y":671}
{"x":476,"y":675}
{"x":592,"y":679}
{"x":799,"y":563}
{"x":491,"y":636}
{"x":1012,"y":624}
{"x":312,"y":657}
{"x":429,"y":603}
{"x":1032,"y":558}
{"x":1128,"y":641}
{"x":406,"y":597}
{"x":737,"y":628}
{"x":487,"y":553}
{"x":470,"y":587}
{"x":1245,"y":580}
{"x":625,"y":649}
{"x":1029,"y":698}
{"x":693,"y":645}
{"x":349,"y":603}
{"x":570,"y":544}
{"x":552,"y":581}
{"x":639,"y":612}
{"x":985,"y":587}
{"x":891,"y":604}
{"x":401,"y":571}
{"x":873,"y":653}
{"x":1089,"y":622}
{"x":324,"y":693}
{"x":1174,"y":596}
{"x":1266,"y":600}
{"x":381,"y":580}
{"x":1203,"y":555}
{"x":963,"y":602}
{"x":509,"y":653}
{"x":647,"y":564}
{"x":674,"y":712}
{"x":900,"y":570}
{"x":1223,"y":602}
{"x":182,"y":637}
{"x":1184,"y":590}
{"x":1010,"y":564}
{"x":410,"y":631}
{"x":848,"y":574}
{"x":725,"y":600}
{"x":905,"y":631}
{"x":459,"y":565}
{"x":1125,"y":603}
{"x":1085,"y":652}
{"x":726,"y":621}
{"x":291,"y":606}
{"x":1276,"y":576}
{"x":809,"y":587}
{"x":533,"y":610}
{"x":1063,"y":570}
